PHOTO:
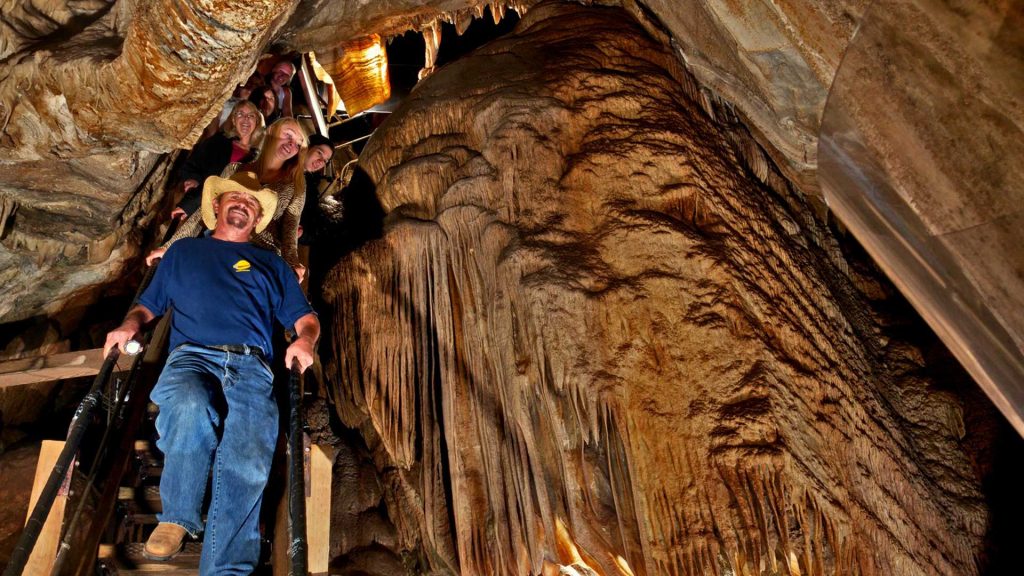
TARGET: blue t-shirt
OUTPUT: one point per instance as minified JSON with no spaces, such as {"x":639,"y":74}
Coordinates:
{"x":224,"y":293}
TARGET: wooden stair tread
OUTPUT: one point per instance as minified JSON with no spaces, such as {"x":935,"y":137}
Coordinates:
{"x":148,"y":459}
{"x":129,"y":559}
{"x":141,"y":499}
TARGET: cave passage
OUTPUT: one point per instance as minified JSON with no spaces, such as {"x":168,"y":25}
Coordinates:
{"x":584,"y":313}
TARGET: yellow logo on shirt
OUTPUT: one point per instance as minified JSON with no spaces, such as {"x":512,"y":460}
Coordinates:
{"x":242,"y":266}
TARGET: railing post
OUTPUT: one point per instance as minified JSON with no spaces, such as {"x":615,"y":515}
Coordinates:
{"x":79,"y":425}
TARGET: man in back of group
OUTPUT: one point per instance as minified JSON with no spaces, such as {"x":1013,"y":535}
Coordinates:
{"x":280,"y":80}
{"x":217,"y":407}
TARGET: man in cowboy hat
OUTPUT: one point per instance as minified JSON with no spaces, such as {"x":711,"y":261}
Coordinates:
{"x":217,"y":408}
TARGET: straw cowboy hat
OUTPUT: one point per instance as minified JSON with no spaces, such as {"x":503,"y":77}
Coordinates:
{"x":240,"y":182}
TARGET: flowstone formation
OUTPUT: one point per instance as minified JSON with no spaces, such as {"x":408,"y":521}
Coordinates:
{"x":600,"y":332}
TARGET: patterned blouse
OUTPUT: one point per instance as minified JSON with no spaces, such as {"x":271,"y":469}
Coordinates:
{"x":281,"y":235}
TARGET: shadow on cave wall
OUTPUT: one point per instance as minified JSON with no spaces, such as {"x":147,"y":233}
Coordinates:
{"x":991,"y":443}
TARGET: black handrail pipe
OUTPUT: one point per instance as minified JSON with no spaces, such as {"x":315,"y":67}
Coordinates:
{"x":83,"y":415}
{"x":296,"y":476}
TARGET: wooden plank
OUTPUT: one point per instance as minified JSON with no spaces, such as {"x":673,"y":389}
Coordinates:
{"x":279,"y":562}
{"x":40,"y":562}
{"x":318,"y":510}
{"x":51,"y":367}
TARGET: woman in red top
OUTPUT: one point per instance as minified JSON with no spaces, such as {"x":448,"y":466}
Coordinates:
{"x":237,"y":141}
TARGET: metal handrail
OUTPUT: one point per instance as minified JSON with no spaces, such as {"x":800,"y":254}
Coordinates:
{"x":115,"y":417}
{"x":309,"y":91}
{"x":296,"y":476}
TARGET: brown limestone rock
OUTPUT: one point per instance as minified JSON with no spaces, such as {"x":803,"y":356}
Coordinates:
{"x":585,"y":311}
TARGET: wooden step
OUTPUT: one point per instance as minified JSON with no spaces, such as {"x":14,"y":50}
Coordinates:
{"x":138,"y":509}
{"x":141,"y":499}
{"x":128,"y":559}
{"x":148,"y":459}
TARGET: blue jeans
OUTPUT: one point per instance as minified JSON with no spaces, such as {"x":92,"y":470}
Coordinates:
{"x":216,"y":409}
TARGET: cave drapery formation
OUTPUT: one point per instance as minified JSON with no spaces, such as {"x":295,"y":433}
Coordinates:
{"x":605,"y":329}
{"x":589,"y":309}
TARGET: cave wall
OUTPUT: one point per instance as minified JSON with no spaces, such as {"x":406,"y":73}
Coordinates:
{"x":601,"y":330}
{"x":93,"y":94}
{"x":532,"y":327}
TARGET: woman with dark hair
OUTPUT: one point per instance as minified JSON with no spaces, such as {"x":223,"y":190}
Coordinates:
{"x":319,"y":154}
{"x":237,"y":141}
{"x":264,"y":99}
{"x":278,"y":167}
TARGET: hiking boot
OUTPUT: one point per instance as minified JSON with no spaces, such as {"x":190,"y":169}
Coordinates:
{"x":165,"y":541}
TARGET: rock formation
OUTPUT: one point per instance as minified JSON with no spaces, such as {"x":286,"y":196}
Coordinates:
{"x":607,"y":330}
{"x":92,"y":95}
{"x":601,"y":331}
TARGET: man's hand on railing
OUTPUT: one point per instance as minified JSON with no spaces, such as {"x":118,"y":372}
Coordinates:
{"x":302,"y":348}
{"x":119,"y":337}
{"x":133,"y":322}
{"x":300,"y":351}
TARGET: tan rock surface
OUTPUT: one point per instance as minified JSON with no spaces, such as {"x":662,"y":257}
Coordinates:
{"x":95,"y":92}
{"x":923,"y":124}
{"x":586,"y":311}
{"x":774,"y":60}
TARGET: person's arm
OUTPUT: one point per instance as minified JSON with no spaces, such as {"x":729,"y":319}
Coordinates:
{"x":190,"y":228}
{"x":282,"y":235}
{"x":190,"y":199}
{"x":290,"y":228}
{"x":286,"y":106}
{"x":198,"y":164}
{"x":130,"y":327}
{"x":206,"y":159}
{"x":212,"y":127}
{"x":307,"y":330}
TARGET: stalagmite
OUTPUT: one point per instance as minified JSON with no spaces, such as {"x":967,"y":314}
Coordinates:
{"x":584,"y":310}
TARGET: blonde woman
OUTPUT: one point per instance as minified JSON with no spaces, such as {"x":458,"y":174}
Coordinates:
{"x":278,"y":167}
{"x":237,"y":141}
